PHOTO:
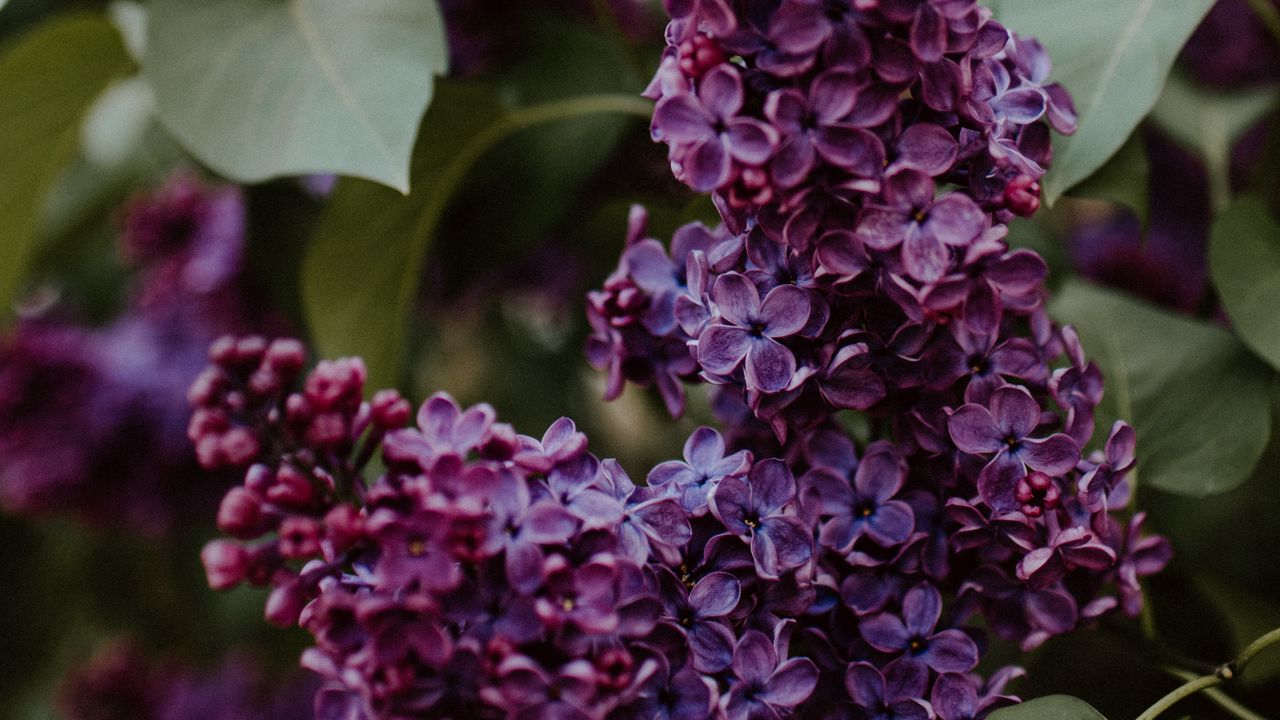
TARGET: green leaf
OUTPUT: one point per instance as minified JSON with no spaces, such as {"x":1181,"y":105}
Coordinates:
{"x":49,"y":80}
{"x":1209,"y":123}
{"x":1052,"y":707}
{"x":1113,"y":57}
{"x":1123,"y":180}
{"x":1244,"y":262}
{"x":361,"y":274}
{"x":262,"y":89}
{"x":1198,"y":400}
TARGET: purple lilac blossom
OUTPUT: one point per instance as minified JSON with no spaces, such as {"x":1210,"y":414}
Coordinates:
{"x":89,"y":421}
{"x":976,"y":493}
{"x":861,"y":267}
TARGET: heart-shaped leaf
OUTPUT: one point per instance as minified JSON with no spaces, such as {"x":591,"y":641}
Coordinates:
{"x":1113,"y":56}
{"x":263,"y":89}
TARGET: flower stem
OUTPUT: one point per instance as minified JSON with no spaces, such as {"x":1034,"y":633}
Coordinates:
{"x":1216,"y":696}
{"x":1222,"y":674}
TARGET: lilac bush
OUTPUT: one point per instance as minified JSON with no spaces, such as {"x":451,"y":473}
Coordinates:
{"x":865,"y":157}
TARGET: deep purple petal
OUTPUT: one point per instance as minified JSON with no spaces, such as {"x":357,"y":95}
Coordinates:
{"x":885,"y":632}
{"x":720,"y":91}
{"x":974,"y":431}
{"x":1022,"y":106}
{"x":680,"y":119}
{"x":785,"y":311}
{"x":715,"y":595}
{"x":722,"y":347}
{"x":711,"y":645}
{"x":865,"y":685}
{"x":770,"y":365}
{"x":833,"y":94}
{"x":955,"y":219}
{"x":924,"y":256}
{"x":882,"y":228}
{"x":954,"y":697}
{"x":951,"y":651}
{"x":926,"y":147}
{"x":707,"y":164}
{"x":852,"y":148}
{"x":891,"y":524}
{"x":1015,"y":412}
{"x":731,"y":504}
{"x":791,"y":540}
{"x":750,"y":141}
{"x":792,"y":683}
{"x":736,"y":299}
{"x":921,"y":609}
{"x":928,"y":34}
{"x":754,"y":658}
{"x":998,"y":481}
{"x":1055,"y":455}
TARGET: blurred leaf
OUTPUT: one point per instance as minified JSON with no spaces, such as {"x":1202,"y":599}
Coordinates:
{"x":1244,"y":262}
{"x":117,"y":122}
{"x":1209,"y":123}
{"x":1123,"y":180}
{"x":1054,"y":707}
{"x":360,"y":273}
{"x":130,"y":18}
{"x":262,"y":89}
{"x":49,"y":79}
{"x":1249,"y":617}
{"x":1198,"y":400}
{"x":534,"y":178}
{"x":1113,"y":57}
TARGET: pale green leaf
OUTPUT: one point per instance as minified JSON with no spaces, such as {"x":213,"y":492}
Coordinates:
{"x":49,"y":79}
{"x":1052,"y":707}
{"x":1113,"y":56}
{"x":286,"y":87}
{"x":1197,"y":398}
{"x":1244,"y":261}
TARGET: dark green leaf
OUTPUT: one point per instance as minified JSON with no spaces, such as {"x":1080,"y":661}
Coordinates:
{"x":1113,"y":56}
{"x":360,"y":273}
{"x":262,"y":89}
{"x":1244,"y":261}
{"x":1053,"y":707}
{"x":49,"y":79}
{"x":1122,"y":180}
{"x":1209,"y":123}
{"x":1198,"y":400}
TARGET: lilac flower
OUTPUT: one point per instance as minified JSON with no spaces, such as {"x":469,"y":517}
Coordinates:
{"x":704,"y":466}
{"x":753,"y":509}
{"x":1070,"y":548}
{"x":865,"y":507}
{"x":923,"y":226}
{"x":913,"y":634}
{"x":697,"y":613}
{"x":751,"y":330}
{"x":955,"y":698}
{"x":1004,"y":430}
{"x":812,"y":124}
{"x":710,"y":135}
{"x":766,"y":685}
{"x":880,"y":700}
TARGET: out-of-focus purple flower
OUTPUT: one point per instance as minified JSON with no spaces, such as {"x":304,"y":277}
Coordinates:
{"x":1232,"y":48}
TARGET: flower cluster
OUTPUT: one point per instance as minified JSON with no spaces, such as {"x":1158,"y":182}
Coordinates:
{"x":875,"y":284}
{"x":91,"y":421}
{"x":800,"y":113}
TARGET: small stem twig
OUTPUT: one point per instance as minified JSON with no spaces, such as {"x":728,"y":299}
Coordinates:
{"x":1221,"y":675}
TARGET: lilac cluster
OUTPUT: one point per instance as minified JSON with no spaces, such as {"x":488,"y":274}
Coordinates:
{"x":122,"y":683}
{"x":864,"y":157}
{"x":801,"y":114}
{"x":91,"y":421}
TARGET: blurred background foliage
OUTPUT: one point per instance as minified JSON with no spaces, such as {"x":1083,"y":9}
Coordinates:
{"x":1159,"y":230}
